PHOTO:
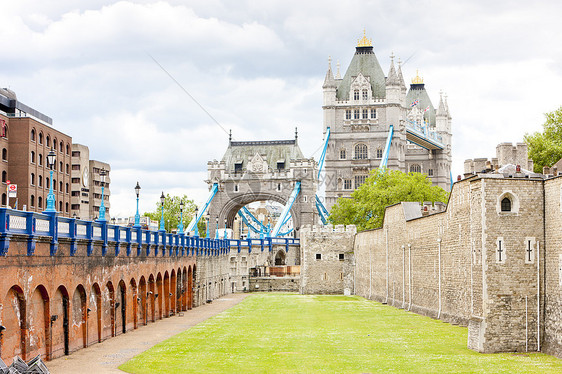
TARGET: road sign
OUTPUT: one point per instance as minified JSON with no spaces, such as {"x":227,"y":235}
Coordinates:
{"x":12,"y":190}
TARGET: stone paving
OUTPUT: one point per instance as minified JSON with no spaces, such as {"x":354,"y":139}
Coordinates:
{"x":105,"y":357}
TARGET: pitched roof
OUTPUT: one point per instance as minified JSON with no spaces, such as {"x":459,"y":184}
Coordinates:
{"x":365,"y":62}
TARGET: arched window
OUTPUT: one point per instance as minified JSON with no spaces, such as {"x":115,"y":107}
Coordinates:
{"x":4,"y":154}
{"x":4,"y":199}
{"x":4,"y":176}
{"x":54,"y":184}
{"x":67,"y":168}
{"x":47,"y":185}
{"x":365,"y":95}
{"x":40,"y":202}
{"x":60,"y":167}
{"x":415,"y":168}
{"x":32,"y":157}
{"x":342,"y":154}
{"x":66,"y":207}
{"x":66,"y":189}
{"x":356,"y":95}
{"x":67,"y":149}
{"x":40,"y":138}
{"x":61,"y":146}
{"x":32,"y":179}
{"x":48,"y":140}
{"x":55,"y":144}
{"x":506,"y":205}
{"x":32,"y":135}
{"x":40,"y":159}
{"x":379,"y":153}
{"x":60,"y":186}
{"x":32,"y":200}
{"x":40,"y":181}
{"x":60,"y":206}
{"x":361,"y":152}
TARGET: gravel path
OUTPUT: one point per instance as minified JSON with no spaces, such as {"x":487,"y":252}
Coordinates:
{"x":105,"y":357}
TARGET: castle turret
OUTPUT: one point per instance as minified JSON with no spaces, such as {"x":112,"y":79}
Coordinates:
{"x":393,"y":89}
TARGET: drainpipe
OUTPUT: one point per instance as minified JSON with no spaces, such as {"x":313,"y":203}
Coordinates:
{"x":410,"y":276}
{"x":439,"y":259}
{"x":403,"y":276}
{"x":538,"y":299}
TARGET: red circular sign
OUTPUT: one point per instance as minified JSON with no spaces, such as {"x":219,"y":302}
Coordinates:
{"x":12,"y":187}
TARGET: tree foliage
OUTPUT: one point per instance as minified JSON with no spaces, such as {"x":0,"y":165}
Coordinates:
{"x":365,"y":208}
{"x":172,"y":213}
{"x":545,"y":148}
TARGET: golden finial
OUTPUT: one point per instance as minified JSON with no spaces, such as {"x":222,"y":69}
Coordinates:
{"x":417,"y":79}
{"x":364,"y":42}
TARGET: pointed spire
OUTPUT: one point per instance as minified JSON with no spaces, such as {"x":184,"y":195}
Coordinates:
{"x":296,"y":133}
{"x":392,"y":76}
{"x":230,"y":136}
{"x":329,"y":80}
{"x":338,"y":75}
{"x":441,"y":111}
{"x":400,"y":76}
{"x":447,"y":106}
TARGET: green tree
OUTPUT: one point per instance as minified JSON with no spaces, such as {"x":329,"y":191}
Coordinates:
{"x":545,"y":148}
{"x":365,"y":208}
{"x":172,"y":213}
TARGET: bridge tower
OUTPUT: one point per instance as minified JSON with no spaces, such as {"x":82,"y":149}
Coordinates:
{"x":360,"y":108}
{"x":253,"y":171}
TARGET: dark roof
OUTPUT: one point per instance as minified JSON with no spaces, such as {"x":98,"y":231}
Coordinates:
{"x":365,"y":62}
{"x":417,"y":92}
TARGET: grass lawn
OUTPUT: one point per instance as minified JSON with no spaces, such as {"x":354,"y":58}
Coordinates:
{"x":289,"y":333}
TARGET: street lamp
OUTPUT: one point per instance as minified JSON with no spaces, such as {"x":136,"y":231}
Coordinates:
{"x":162,"y":201}
{"x":137,"y":216}
{"x":51,"y":159}
{"x":180,"y":226}
{"x":196,"y":230}
{"x":225,"y":228}
{"x":102,"y":206}
{"x":217,"y":228}
{"x":207,"y":226}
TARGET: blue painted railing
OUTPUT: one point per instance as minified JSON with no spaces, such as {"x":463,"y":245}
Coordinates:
{"x":32,"y":225}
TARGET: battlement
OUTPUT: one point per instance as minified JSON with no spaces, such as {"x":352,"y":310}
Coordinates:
{"x":506,"y":154}
{"x":351,"y":229}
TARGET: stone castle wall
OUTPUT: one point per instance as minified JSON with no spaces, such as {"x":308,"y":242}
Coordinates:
{"x":446,"y":265}
{"x":327,"y":260}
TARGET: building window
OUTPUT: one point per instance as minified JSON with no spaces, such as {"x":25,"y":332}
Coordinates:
{"x":75,"y":153}
{"x":356,"y":113}
{"x":67,"y":168}
{"x":66,"y":188}
{"x":361,"y":152}
{"x":40,"y":159}
{"x":365,"y":113}
{"x":365,"y":95}
{"x":66,"y":207}
{"x":238,"y":167}
{"x":32,"y":200}
{"x":47,"y":185}
{"x":75,"y":167}
{"x":373,"y":113}
{"x":61,"y":169}
{"x":67,"y":149}
{"x":500,"y":251}
{"x":319,"y":256}
{"x":32,"y":157}
{"x":54,"y":184}
{"x":415,"y":168}
{"x":379,"y":153}
{"x":506,"y":204}
{"x":348,"y":114}
{"x":280,"y":165}
{"x":75,"y":193}
{"x":347,"y":184}
{"x":430,"y":172}
{"x":359,"y":180}
{"x":60,"y":206}
{"x":278,"y":186}
{"x":60,"y":187}
{"x":32,"y":135}
{"x":356,"y":95}
{"x":75,"y":206}
{"x":40,"y":138}
{"x":55,"y":144}
{"x":40,"y":181}
{"x":61,"y":147}
{"x":3,"y":129}
{"x":4,"y":199}
{"x":48,"y":139}
{"x":32,"y":179}
{"x":4,"y":176}
{"x":75,"y":180}
{"x":342,"y":154}
{"x":341,"y":257}
{"x":529,"y":250}
{"x":40,"y":202}
{"x":4,"y":154}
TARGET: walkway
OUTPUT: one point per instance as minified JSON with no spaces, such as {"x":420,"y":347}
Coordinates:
{"x":105,"y":357}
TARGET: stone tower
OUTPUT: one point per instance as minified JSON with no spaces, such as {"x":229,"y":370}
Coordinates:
{"x":359,"y":109}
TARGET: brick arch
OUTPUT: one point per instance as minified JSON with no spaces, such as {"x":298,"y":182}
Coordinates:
{"x":141,"y":300}
{"x":183,"y":286}
{"x":108,"y":309}
{"x":14,"y":319}
{"x":60,"y":322}
{"x":79,"y":318}
{"x":158,"y":295}
{"x":134,"y":309}
{"x":173,"y":291}
{"x":120,"y":307}
{"x":151,"y":298}
{"x":39,"y":317}
{"x":95,"y":301}
{"x":166,"y":296}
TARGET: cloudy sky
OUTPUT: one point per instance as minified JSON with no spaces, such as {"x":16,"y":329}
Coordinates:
{"x":257,"y":68}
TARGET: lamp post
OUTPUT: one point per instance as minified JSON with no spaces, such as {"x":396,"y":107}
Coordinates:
{"x":137,"y":216}
{"x":180,"y":226}
{"x":225,"y":235}
{"x":217,"y":227}
{"x":162,"y":201}
{"x":207,"y":226}
{"x":51,"y":159}
{"x":102,"y":206}
{"x":196,"y":230}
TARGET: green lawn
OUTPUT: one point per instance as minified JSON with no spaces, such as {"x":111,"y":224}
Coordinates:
{"x":288,"y":333}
